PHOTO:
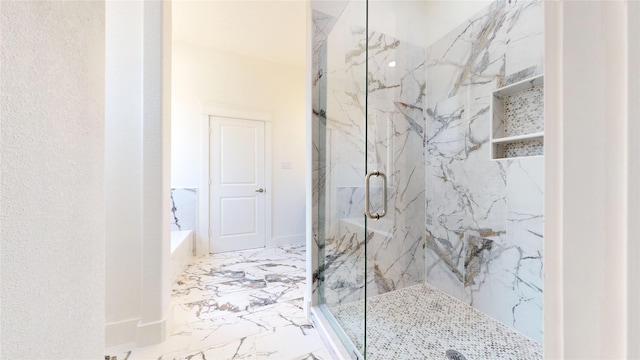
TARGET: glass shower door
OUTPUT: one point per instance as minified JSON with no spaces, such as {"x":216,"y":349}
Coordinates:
{"x":407,"y":134}
{"x":395,"y":139}
{"x":371,"y":161}
{"x":341,"y":170}
{"x":462,"y":230}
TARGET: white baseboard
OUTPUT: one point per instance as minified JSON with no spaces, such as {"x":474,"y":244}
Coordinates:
{"x":152,"y":333}
{"x":121,"y":332}
{"x":276,"y":241}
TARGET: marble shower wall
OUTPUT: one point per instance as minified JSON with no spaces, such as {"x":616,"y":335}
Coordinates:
{"x":394,"y":145}
{"x":318,"y":39}
{"x":321,"y":27}
{"x":183,"y":209}
{"x":484,"y":217}
{"x":341,"y":160}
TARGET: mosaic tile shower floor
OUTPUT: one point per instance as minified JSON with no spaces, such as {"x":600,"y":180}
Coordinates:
{"x":421,"y":322}
{"x":238,"y":305}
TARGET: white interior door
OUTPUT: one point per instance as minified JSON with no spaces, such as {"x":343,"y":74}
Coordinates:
{"x":237,"y":186}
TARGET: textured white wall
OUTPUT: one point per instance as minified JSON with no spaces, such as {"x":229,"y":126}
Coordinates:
{"x":123,"y":169}
{"x":202,"y":75}
{"x":52,"y":210}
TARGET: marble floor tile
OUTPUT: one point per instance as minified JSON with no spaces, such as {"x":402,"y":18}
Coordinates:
{"x":238,"y":305}
{"x":320,"y":354}
{"x":287,"y":342}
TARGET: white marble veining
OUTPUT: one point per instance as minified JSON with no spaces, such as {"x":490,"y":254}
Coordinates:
{"x":320,"y":25}
{"x":484,"y":218}
{"x":238,"y":305}
{"x":395,"y":146}
{"x":431,"y":137}
{"x":183,"y":209}
{"x":525,"y":40}
{"x":341,"y":162}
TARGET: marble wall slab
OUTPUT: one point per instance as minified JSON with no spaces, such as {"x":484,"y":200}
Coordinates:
{"x":321,"y":27}
{"x":483,"y":239}
{"x":341,"y":164}
{"x":322,"y":24}
{"x":484,"y":218}
{"x":394,"y":145}
{"x":183,"y":209}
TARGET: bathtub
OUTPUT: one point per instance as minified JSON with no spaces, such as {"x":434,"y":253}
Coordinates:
{"x":181,"y":252}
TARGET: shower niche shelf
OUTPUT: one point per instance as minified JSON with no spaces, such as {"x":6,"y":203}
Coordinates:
{"x":517,"y":119}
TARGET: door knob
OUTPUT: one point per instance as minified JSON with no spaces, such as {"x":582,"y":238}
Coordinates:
{"x":260,"y":190}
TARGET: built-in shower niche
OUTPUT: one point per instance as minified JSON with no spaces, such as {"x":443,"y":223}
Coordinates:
{"x":517,"y":119}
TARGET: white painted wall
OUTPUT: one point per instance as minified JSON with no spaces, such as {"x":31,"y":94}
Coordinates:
{"x":203,"y":75}
{"x":591,"y":170}
{"x":633,"y":296}
{"x":52,"y":223}
{"x":123,"y":169}
{"x":137,"y":162}
{"x":156,"y":165}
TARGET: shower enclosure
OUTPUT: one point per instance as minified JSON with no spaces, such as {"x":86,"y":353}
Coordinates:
{"x":428,"y":166}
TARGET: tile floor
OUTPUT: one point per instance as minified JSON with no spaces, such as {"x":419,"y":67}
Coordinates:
{"x":422,"y":322}
{"x":238,"y":305}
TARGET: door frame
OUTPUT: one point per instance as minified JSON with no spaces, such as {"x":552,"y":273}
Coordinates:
{"x":212,"y":109}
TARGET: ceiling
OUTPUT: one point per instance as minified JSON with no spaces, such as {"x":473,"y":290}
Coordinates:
{"x":265,"y":29}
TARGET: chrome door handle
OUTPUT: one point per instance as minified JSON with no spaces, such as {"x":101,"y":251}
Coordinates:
{"x":260,"y":190}
{"x":375,"y":216}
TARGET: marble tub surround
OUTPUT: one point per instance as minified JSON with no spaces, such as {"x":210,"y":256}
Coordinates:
{"x":239,"y":305}
{"x":183,"y":209}
{"x":484,"y":218}
{"x":422,"y":322}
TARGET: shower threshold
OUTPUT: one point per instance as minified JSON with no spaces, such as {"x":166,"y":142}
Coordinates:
{"x":422,"y":322}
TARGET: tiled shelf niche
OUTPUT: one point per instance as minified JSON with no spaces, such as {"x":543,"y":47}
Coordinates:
{"x":517,"y":119}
